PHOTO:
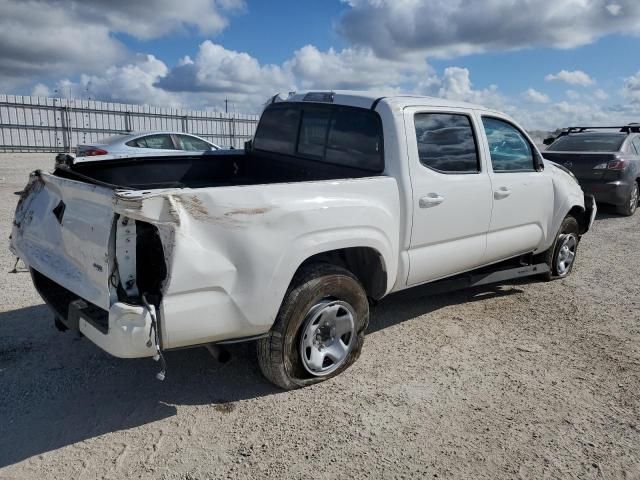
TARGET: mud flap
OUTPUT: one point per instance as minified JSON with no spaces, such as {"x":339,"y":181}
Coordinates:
{"x":590,"y":211}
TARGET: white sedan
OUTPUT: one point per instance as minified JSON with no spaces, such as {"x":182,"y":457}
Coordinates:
{"x":119,"y":146}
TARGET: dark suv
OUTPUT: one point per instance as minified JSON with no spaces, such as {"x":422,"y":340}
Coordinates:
{"x":605,"y":160}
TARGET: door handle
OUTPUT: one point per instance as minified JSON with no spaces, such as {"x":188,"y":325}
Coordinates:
{"x":502,"y":192}
{"x":431,"y":200}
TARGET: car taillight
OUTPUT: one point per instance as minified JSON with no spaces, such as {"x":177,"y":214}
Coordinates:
{"x":617,"y":164}
{"x":94,"y":151}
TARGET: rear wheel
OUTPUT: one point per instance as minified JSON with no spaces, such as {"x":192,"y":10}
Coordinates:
{"x":562,"y":255}
{"x":319,"y":330}
{"x":629,"y":208}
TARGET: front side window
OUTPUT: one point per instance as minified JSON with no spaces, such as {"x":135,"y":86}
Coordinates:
{"x":510,"y":150}
{"x":446,"y":142}
{"x":192,"y":144}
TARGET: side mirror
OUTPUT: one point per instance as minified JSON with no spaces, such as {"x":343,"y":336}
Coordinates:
{"x":549,"y":141}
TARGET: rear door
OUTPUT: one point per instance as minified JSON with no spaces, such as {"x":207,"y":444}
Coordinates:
{"x":522,"y":196}
{"x":451,"y":193}
{"x":62,"y":229}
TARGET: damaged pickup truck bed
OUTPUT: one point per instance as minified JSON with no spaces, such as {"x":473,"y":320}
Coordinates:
{"x":340,"y":199}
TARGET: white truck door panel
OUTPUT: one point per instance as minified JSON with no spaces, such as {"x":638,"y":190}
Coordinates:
{"x":451,"y":194}
{"x":522,"y":196}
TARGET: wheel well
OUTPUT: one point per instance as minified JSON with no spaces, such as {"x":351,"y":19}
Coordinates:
{"x":364,"y":262}
{"x":577,"y":212}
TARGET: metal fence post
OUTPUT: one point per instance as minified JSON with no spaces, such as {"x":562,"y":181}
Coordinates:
{"x":233,"y":131}
{"x":127,"y":121}
{"x":25,"y":120}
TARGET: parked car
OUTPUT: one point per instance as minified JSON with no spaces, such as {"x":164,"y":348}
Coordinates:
{"x":119,"y":146}
{"x":340,"y":199}
{"x":605,"y":160}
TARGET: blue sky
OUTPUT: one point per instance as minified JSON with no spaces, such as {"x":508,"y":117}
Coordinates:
{"x":573,"y":64}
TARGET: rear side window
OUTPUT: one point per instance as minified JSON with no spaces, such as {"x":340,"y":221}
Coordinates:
{"x":636,"y":143}
{"x":278,"y":130}
{"x":334,"y":134}
{"x":585,"y":142}
{"x":446,"y":142}
{"x":510,"y":150}
{"x":355,"y":139}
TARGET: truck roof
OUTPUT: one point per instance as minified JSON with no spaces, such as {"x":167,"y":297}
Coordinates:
{"x":366,"y":99}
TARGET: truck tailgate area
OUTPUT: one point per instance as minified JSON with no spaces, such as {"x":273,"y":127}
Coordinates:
{"x":62,"y":229}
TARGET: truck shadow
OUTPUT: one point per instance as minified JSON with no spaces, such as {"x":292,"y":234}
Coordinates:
{"x":417,"y":301}
{"x":58,"y":389}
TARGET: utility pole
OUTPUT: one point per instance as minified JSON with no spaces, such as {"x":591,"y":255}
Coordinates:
{"x":226,"y":105}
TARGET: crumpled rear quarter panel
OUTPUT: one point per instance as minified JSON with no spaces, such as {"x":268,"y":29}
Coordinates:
{"x":231,"y":252}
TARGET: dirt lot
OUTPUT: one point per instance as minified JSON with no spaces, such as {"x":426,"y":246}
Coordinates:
{"x":527,"y":380}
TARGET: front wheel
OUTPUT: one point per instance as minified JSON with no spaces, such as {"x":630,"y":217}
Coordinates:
{"x":319,"y":330}
{"x":562,"y":255}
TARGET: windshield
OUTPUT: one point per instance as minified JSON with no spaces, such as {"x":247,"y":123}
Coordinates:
{"x":584,"y":142}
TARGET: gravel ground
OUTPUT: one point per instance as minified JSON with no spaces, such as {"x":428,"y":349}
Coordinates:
{"x":525,"y":380}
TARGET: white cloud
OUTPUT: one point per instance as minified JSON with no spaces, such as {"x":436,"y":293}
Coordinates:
{"x":40,"y":90}
{"x":631,"y":88}
{"x":47,"y":38}
{"x":216,"y":74}
{"x":353,"y":68}
{"x":600,"y":94}
{"x":572,"y":95}
{"x":219,"y":73}
{"x":576,"y":77}
{"x":614,"y":9}
{"x":130,"y":83}
{"x":456,"y":85}
{"x":155,"y":18}
{"x":534,"y":96}
{"x":454,"y":27}
{"x":133,"y":82}
{"x":566,"y":114}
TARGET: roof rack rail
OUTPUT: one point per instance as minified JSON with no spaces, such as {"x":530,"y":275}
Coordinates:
{"x":631,"y":128}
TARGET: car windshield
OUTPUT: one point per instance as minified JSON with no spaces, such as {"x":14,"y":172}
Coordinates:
{"x":584,"y":142}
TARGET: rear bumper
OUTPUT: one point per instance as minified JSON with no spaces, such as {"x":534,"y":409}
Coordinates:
{"x":122,"y":331}
{"x":614,"y":193}
{"x":127,"y":331}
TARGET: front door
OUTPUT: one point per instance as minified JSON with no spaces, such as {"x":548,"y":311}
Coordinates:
{"x":452,"y":194}
{"x":522,"y":196}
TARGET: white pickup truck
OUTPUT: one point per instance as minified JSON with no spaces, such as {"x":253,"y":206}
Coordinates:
{"x":340,"y":199}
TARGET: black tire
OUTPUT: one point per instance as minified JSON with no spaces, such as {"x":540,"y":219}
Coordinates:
{"x":279,"y":354}
{"x":569,"y":226}
{"x":629,"y":208}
